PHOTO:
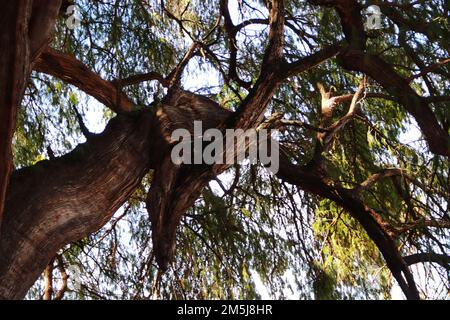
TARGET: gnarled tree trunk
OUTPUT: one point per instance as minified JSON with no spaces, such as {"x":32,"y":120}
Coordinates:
{"x":62,"y":200}
{"x":25,"y":29}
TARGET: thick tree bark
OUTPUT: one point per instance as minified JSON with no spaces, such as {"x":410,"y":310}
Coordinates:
{"x":84,"y":188}
{"x":59,"y":201}
{"x":170,"y":196}
{"x":14,"y":68}
{"x":25,"y":28}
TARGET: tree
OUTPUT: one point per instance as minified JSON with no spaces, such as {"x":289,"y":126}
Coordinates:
{"x":351,"y":206}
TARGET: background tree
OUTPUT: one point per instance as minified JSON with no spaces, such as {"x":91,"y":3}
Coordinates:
{"x":361,"y":197}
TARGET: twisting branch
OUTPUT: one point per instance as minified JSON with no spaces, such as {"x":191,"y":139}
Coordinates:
{"x":352,"y":110}
{"x":327,"y":106}
{"x":164,"y":203}
{"x":378,"y":230}
{"x":64,"y":277}
{"x":48,"y":278}
{"x":355,"y":58}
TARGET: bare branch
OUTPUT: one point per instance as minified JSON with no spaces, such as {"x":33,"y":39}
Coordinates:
{"x":142,"y":77}
{"x":385,"y":173}
{"x":338,"y":125}
{"x":48,"y":278}
{"x":84,"y":130}
{"x":432,"y":257}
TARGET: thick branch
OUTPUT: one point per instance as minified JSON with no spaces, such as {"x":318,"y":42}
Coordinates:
{"x":14,"y":66}
{"x":251,"y":110}
{"x":338,"y":125}
{"x":25,"y":27}
{"x":354,"y":58}
{"x":432,"y":257}
{"x":42,"y":23}
{"x":48,"y":281}
{"x":351,"y":20}
{"x":69,"y":69}
{"x":167,"y":200}
{"x":64,"y":277}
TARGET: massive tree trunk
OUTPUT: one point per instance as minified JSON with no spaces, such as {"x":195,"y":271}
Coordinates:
{"x":14,"y":66}
{"x":62,"y":200}
{"x":25,"y":28}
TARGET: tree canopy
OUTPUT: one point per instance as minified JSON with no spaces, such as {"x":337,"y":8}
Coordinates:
{"x":93,"y":208}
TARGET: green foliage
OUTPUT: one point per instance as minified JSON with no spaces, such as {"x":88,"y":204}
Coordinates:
{"x":251,"y":223}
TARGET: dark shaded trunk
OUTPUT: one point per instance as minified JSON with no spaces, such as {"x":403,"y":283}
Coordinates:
{"x":14,"y":69}
{"x":59,"y":201}
{"x":25,"y":29}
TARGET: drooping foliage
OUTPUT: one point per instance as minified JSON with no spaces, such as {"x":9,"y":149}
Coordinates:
{"x":250,"y":234}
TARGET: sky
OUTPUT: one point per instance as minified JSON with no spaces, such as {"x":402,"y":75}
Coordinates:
{"x":93,"y":111}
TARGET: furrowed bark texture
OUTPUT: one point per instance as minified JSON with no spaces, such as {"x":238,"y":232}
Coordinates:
{"x":62,"y":200}
{"x":25,"y":29}
{"x":177,"y":180}
{"x":67,"y":68}
{"x":169,"y":196}
{"x":14,"y":65}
